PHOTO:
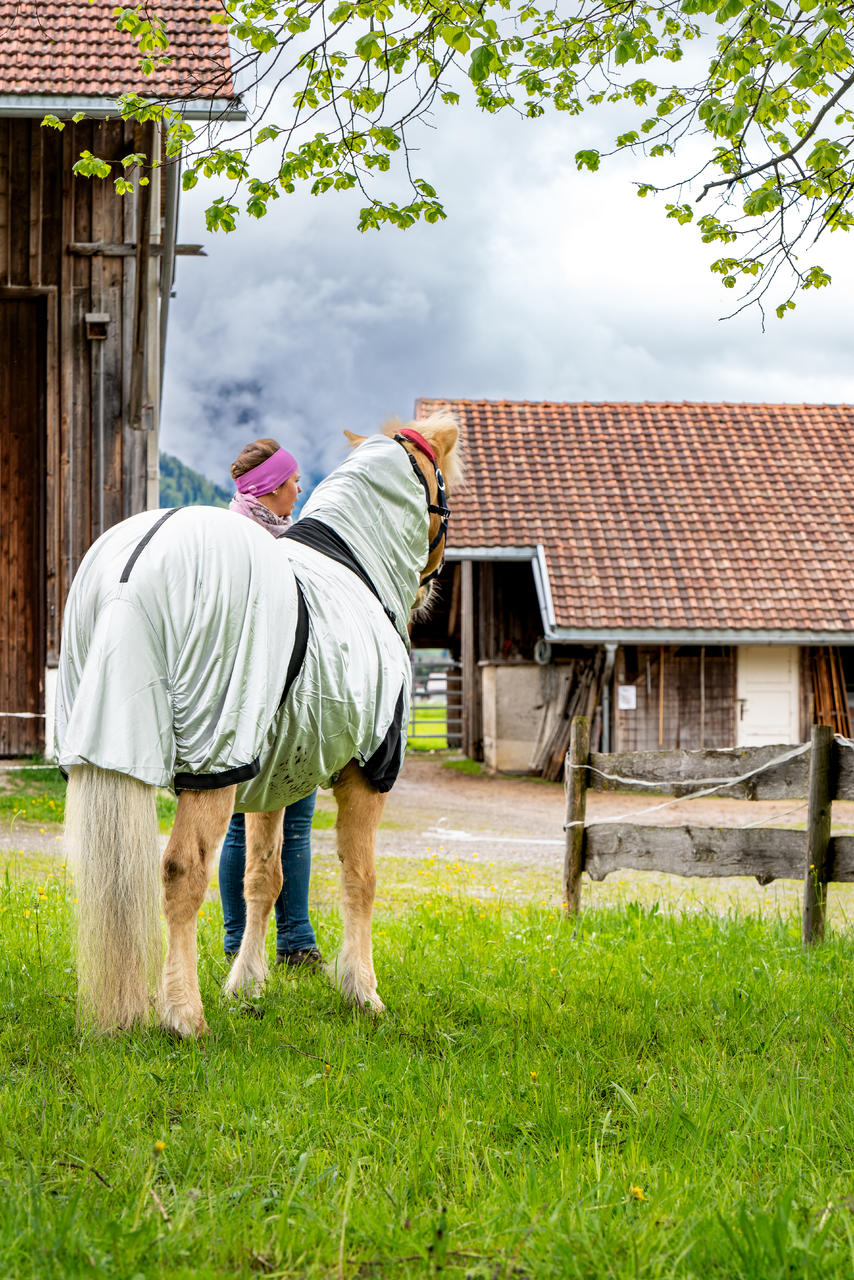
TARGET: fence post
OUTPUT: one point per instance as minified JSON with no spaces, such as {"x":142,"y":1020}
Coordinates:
{"x":818,"y":834}
{"x":576,"y":806}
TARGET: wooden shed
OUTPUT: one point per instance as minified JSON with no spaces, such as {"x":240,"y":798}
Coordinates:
{"x":681,"y":573}
{"x":85,"y":281}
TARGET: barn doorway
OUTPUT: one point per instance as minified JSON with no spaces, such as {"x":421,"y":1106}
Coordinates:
{"x":23,"y":331}
{"x":768,"y":694}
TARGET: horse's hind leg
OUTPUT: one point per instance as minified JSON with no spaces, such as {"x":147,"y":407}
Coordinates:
{"x":262,"y":884}
{"x":200,"y":824}
{"x":360,"y":807}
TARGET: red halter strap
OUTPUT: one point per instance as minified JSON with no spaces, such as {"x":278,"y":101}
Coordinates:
{"x":416,"y":438}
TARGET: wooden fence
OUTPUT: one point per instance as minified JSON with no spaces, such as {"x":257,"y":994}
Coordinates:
{"x":822,"y":772}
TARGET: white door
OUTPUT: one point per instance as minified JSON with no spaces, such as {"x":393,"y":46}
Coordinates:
{"x":768,"y":695}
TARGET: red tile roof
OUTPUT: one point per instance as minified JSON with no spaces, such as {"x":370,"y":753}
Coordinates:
{"x":669,"y":516}
{"x":51,"y":48}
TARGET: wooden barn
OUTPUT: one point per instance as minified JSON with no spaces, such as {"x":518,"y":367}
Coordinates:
{"x":683,"y":573}
{"x":85,"y":282}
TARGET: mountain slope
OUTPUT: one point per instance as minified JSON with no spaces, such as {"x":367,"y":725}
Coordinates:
{"x":181,"y":486}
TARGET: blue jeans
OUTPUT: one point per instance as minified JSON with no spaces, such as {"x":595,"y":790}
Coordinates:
{"x":293,"y":928}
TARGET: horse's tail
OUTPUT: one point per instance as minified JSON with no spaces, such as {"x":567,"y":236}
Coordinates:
{"x":111,"y":823}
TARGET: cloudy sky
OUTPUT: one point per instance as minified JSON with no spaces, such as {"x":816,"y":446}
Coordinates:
{"x":542,"y":284}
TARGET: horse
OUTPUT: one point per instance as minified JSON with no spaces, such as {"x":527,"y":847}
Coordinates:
{"x":241,"y":670}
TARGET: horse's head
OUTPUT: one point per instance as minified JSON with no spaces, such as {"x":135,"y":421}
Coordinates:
{"x":432,"y":445}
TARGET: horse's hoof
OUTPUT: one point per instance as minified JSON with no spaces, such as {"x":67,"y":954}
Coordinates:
{"x":361,"y":994}
{"x":182,"y":1025}
{"x":242,"y":982}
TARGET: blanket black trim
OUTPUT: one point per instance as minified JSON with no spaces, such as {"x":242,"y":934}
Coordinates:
{"x":382,"y":768}
{"x":317,"y":535}
{"x":143,"y":543}
{"x":300,"y":643}
{"x":211,"y":781}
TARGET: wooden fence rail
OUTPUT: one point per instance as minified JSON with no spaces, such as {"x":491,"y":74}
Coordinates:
{"x":823,"y":772}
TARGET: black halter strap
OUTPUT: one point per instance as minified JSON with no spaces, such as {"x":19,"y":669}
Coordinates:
{"x":440,"y":509}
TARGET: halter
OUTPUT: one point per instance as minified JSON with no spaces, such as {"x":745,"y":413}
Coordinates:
{"x":442,"y":510}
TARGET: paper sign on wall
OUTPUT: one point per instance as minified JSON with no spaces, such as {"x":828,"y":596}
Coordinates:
{"x":627,"y":697}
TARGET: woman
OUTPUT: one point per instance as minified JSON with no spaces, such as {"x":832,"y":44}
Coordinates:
{"x":267,"y":481}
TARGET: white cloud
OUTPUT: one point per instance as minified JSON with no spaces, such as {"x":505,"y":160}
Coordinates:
{"x":543,"y":284}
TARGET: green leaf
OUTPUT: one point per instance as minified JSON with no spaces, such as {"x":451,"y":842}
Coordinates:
{"x":368,"y":46}
{"x":456,"y":38}
{"x":587,"y":160}
{"x":481,"y":63}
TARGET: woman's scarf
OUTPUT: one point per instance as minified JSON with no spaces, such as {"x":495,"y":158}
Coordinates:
{"x":245,"y":504}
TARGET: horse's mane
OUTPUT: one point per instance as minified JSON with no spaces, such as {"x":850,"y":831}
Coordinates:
{"x":429,"y":428}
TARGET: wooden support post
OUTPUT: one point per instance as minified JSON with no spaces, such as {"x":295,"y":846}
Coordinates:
{"x":576,"y":806}
{"x":818,"y":834}
{"x":702,"y":696}
{"x":660,"y":697}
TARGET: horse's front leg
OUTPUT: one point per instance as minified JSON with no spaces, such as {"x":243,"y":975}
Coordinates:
{"x":360,"y":807}
{"x":262,"y":884}
{"x":200,"y":824}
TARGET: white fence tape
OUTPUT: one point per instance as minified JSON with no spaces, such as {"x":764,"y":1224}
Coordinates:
{"x":709,"y":786}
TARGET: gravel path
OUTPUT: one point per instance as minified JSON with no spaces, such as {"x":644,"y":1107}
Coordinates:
{"x":437,"y":817}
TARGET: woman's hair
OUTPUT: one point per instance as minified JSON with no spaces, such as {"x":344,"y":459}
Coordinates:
{"x":253,"y":455}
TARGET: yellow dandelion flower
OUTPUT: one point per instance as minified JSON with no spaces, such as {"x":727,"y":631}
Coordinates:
{"x":159,"y":1146}
{"x":533,"y":1075}
{"x":636,"y":1192}
{"x":26,"y":915}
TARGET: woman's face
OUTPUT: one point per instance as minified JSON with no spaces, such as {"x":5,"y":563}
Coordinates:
{"x":281,"y":503}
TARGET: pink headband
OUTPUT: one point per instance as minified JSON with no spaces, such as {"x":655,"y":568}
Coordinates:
{"x":268,"y":475}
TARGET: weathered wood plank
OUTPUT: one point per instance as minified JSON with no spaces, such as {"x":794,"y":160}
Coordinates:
{"x":51,"y":201}
{"x":678,"y":772}
{"x":5,"y":126}
{"x":19,"y":203}
{"x":818,"y":833}
{"x":576,"y":805}
{"x":844,"y":789}
{"x":471,"y":675}
{"x":768,"y":854}
{"x":34,"y":271}
{"x":109,"y":249}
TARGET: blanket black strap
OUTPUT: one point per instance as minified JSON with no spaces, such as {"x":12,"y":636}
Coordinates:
{"x":317,"y":535}
{"x":144,"y":541}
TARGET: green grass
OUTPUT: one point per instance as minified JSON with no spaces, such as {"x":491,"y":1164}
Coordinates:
{"x":472,"y":768}
{"x":32,"y":794}
{"x":38,"y":795}
{"x":633,"y":1095}
{"x":428,"y":727}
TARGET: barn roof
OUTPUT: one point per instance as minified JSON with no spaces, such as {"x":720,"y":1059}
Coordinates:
{"x":657,"y":518}
{"x":60,"y":49}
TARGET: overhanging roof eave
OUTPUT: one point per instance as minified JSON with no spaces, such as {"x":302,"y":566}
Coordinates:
{"x":100,"y":107}
{"x":697,"y":635}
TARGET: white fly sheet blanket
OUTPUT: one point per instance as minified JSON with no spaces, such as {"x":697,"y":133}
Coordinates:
{"x":179,"y":636}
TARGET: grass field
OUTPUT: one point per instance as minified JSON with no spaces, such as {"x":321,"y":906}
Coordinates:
{"x":637,"y":1094}
{"x":428,"y":727}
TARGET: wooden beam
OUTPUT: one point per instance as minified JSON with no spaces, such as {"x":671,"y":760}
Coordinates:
{"x":818,"y":834}
{"x":139,"y":353}
{"x":468,"y":656}
{"x":767,"y":854}
{"x":94,"y":248}
{"x":679,"y":772}
{"x":576,"y":806}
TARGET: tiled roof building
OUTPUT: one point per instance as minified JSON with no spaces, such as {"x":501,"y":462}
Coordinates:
{"x":49,"y":48}
{"x":713,"y":518}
